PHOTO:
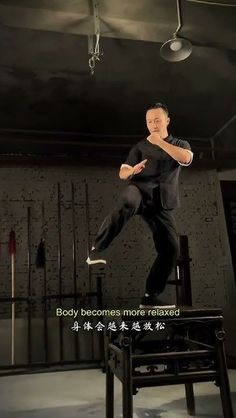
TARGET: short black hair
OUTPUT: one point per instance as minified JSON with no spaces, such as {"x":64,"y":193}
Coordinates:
{"x":159,"y":106}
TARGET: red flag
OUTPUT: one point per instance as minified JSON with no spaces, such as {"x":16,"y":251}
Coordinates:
{"x":12,"y":243}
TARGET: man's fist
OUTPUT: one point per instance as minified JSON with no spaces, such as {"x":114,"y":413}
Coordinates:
{"x":139,"y":167}
{"x":155,"y":137}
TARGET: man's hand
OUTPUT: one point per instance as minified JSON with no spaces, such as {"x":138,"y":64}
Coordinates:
{"x":139,"y":167}
{"x":126,"y":173}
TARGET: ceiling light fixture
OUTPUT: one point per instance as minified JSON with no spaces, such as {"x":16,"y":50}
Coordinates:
{"x":176,"y":49}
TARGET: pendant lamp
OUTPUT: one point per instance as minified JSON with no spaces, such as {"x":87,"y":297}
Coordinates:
{"x":176,"y":49}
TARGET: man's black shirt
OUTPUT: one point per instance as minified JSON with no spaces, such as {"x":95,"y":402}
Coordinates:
{"x":161,"y":170}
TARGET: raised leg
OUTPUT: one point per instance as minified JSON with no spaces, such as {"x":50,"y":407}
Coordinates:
{"x":127,"y":206}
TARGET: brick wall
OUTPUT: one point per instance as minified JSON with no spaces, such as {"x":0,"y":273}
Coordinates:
{"x":130,"y":255}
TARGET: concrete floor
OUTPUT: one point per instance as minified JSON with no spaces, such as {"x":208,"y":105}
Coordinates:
{"x":81,"y":393}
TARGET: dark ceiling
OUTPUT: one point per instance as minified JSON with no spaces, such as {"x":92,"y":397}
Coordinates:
{"x":46,"y":85}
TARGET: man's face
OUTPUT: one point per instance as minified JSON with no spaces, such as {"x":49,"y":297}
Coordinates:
{"x":157,"y":121}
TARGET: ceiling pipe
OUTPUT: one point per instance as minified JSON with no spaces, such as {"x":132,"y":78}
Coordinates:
{"x":213,"y":138}
{"x":228,"y":123}
{"x":212,"y":3}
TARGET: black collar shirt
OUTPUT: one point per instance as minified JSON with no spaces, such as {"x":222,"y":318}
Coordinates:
{"x":161,"y":170}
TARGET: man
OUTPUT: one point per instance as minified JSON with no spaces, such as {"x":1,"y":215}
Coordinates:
{"x":152,"y":169}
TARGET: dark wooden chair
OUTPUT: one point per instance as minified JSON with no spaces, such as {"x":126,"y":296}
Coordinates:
{"x":189,"y":349}
{"x":179,"y":355}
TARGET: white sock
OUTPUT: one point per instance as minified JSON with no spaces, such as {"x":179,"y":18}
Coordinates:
{"x":147,"y":294}
{"x":93,"y":248}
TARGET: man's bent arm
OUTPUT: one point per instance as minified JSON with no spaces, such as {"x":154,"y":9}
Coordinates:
{"x":179,"y":154}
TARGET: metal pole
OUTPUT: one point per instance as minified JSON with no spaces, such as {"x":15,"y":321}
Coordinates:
{"x":45,"y":288}
{"x":88,"y":232}
{"x":88,"y":250}
{"x":29,"y":286}
{"x":59,"y":264}
{"x":74,"y":261}
{"x":12,"y":251}
{"x":13,"y":309}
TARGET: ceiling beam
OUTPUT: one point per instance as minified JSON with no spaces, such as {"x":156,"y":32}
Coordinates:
{"x":82,"y":24}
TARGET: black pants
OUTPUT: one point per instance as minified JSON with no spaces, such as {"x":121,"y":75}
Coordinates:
{"x":161,"y":223}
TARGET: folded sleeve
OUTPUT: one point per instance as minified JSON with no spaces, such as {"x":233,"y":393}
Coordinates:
{"x":133,"y":158}
{"x":185,"y":144}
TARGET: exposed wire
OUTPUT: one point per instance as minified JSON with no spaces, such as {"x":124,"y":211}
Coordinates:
{"x":211,"y":3}
{"x":179,"y":19}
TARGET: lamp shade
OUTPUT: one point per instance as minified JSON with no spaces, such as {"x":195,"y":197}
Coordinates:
{"x":176,"y":49}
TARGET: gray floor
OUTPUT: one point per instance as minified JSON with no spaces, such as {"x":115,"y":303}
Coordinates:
{"x":81,"y":394}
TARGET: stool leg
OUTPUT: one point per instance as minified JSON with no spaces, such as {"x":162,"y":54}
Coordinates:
{"x":190,"y":399}
{"x":224,"y":379}
{"x":127,"y":387}
{"x":109,"y":393}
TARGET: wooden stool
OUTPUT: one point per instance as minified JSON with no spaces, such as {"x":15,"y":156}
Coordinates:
{"x":190,"y":349}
